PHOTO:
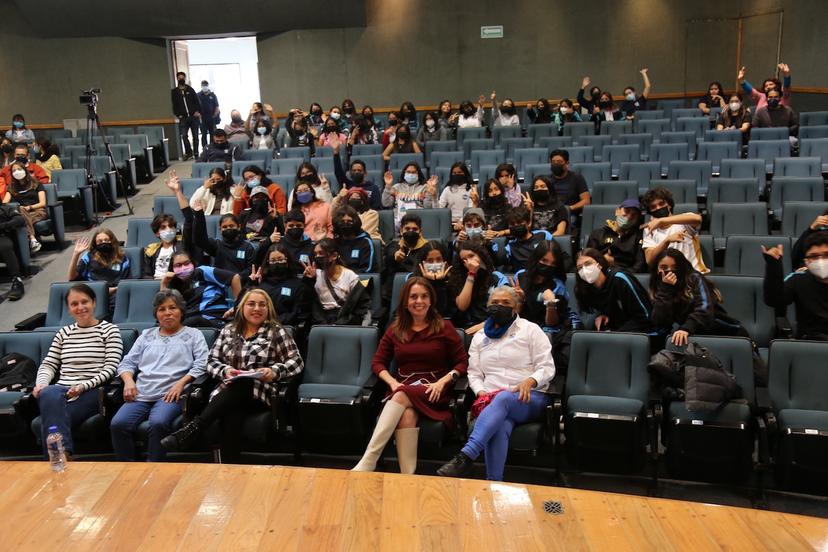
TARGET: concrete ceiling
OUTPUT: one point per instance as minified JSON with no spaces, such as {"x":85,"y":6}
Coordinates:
{"x":185,"y":18}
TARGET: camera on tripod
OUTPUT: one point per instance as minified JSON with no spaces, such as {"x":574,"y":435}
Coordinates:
{"x":89,"y":97}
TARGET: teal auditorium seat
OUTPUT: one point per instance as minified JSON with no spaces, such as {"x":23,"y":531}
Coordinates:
{"x":57,"y":311}
{"x":133,"y":304}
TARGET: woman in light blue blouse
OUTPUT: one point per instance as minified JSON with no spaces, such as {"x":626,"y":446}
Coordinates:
{"x":166,"y":359}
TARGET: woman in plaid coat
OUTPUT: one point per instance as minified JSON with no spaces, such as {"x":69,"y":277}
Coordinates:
{"x":249,"y":355}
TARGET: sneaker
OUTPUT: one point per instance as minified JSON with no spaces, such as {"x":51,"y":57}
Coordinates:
{"x":34,"y":245}
{"x":458,"y":466}
{"x":16,"y":292}
{"x":184,"y":438}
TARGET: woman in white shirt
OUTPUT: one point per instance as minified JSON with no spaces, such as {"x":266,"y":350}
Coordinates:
{"x":337,"y":294}
{"x":215,"y":195}
{"x":468,"y":116}
{"x":508,"y":362}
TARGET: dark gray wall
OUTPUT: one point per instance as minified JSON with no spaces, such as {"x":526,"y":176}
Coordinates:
{"x":42,"y":78}
{"x":425,"y":50}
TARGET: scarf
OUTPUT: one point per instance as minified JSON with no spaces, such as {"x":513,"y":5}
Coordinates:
{"x":493,"y":332}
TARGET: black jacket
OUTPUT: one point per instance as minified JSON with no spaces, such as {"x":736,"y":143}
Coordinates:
{"x":217,"y":154}
{"x":185,"y":101}
{"x":702,"y":314}
{"x":150,"y":256}
{"x":290,"y":298}
{"x":625,"y":249}
{"x":209,"y":103}
{"x":10,"y":220}
{"x":236,"y":257}
{"x":374,"y":193}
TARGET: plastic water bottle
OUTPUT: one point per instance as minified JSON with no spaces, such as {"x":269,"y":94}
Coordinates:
{"x":57,"y":454}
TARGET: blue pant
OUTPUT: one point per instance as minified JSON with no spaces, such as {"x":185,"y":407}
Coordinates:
{"x":161,"y":416}
{"x":55,"y":410}
{"x":494,"y":427}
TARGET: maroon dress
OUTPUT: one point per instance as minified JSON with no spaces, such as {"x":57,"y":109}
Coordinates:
{"x":425,"y":358}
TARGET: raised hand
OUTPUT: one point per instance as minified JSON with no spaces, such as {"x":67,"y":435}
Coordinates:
{"x":549,"y":296}
{"x":481,"y":99}
{"x":741,"y":75}
{"x":669,"y":278}
{"x":819,"y":222}
{"x":323,"y":180}
{"x":310,"y":270}
{"x":198,"y":205}
{"x":431,"y":185}
{"x":493,"y":96}
{"x":335,"y":142}
{"x":775,"y":252}
{"x":388,"y":178}
{"x":513,"y":281}
{"x":81,"y":245}
{"x":601,"y":322}
{"x":472,"y":264}
{"x":256,"y":275}
{"x":237,"y":190}
{"x":784,"y":68}
{"x":643,"y":71}
{"x":474,"y":196}
{"x":585,"y":82}
{"x":275,"y":237}
{"x":527,"y":200}
{"x":173,"y":183}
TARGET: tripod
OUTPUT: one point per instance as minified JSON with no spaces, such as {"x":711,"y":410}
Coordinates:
{"x":93,"y":123}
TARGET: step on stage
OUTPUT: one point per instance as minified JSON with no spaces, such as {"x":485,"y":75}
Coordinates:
{"x":194,"y":507}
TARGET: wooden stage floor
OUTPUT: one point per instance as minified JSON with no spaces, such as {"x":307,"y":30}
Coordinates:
{"x":195,"y":507}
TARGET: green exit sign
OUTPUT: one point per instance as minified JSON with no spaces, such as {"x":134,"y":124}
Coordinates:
{"x":491,"y":31}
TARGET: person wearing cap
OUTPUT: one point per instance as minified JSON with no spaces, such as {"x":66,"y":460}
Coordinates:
{"x":258,"y":221}
{"x":619,"y":240}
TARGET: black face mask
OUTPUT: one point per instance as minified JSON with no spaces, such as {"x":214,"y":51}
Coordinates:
{"x":518,"y":232}
{"x":295,"y":234}
{"x":344,"y":228}
{"x":357,"y":178}
{"x":357,"y":204}
{"x":604,"y":104}
{"x":260,"y":206}
{"x":468,"y":112}
{"x":540,"y":196}
{"x":660,"y":213}
{"x":411,"y":237}
{"x":508,"y":110}
{"x":7,"y":148}
{"x":321,"y":262}
{"x":773,"y":103}
{"x":500,"y":314}
{"x":182,"y":82}
{"x":330,"y":129}
{"x":276,"y":271}
{"x":496,"y":201}
{"x":545,"y":270}
{"x":105,"y":249}
{"x":230,"y":235}
{"x":348,"y":110}
{"x":457,"y":179}
{"x":220,"y":145}
{"x":316,"y":112}
{"x":403,"y":135}
{"x":557,"y":170}
{"x":22,"y":159}
{"x":369,"y":116}
{"x":595,"y":96}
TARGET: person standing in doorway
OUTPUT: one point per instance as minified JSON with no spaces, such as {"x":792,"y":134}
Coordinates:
{"x":187,"y":109}
{"x":209,"y":113}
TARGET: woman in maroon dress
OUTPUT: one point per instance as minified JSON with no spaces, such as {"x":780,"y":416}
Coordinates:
{"x":430,"y":357}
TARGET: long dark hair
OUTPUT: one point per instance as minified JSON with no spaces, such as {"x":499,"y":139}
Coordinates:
{"x":686,"y":278}
{"x":20,"y":186}
{"x":221,"y":190}
{"x":486,"y":200}
{"x":342,"y":212}
{"x":584,"y":292}
{"x":293,"y":264}
{"x":539,"y":253}
{"x":459,"y":272}
{"x":554,"y":201}
{"x":419,"y":172}
{"x":328,"y":245}
{"x":403,"y":322}
{"x":433,"y":245}
{"x":466,"y":173}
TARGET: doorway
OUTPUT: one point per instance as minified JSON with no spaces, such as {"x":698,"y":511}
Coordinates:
{"x":230,"y":66}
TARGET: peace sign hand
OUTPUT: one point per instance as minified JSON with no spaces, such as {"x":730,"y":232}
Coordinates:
{"x":527,"y":200}
{"x":310,"y":270}
{"x":256,"y":275}
{"x":516,"y":285}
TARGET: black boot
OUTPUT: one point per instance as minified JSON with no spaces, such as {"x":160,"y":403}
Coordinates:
{"x":16,"y":292}
{"x":184,"y":438}
{"x":458,"y":466}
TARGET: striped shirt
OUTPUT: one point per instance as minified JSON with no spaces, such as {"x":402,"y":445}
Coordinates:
{"x":83,"y":356}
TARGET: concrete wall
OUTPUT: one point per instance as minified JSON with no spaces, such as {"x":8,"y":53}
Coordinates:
{"x":42,"y":78}
{"x":425,"y":50}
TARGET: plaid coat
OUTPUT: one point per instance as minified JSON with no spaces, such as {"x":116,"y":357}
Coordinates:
{"x":268,"y":348}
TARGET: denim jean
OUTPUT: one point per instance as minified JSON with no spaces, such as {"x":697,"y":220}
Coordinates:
{"x":185,"y":125}
{"x":494,"y":427}
{"x":161,"y":416}
{"x":55,"y":410}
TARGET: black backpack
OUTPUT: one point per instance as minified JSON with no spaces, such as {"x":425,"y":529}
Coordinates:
{"x":17,"y":372}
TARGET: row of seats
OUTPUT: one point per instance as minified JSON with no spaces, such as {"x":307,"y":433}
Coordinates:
{"x":611,"y":421}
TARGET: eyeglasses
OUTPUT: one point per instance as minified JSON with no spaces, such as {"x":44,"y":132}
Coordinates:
{"x":816,"y":256}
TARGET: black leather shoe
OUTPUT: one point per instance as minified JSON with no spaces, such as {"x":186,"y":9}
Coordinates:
{"x":184,"y":438}
{"x":458,"y":466}
{"x":16,"y":292}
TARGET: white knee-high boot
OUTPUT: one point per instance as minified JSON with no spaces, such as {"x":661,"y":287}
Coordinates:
{"x":407,"y":440}
{"x":386,"y":424}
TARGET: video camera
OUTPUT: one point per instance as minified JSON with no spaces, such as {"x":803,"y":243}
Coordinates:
{"x":89,"y":97}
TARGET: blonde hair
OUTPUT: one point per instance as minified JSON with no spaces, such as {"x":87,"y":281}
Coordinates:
{"x":240,"y":324}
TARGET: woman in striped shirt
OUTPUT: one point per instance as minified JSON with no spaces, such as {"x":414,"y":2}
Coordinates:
{"x":255,"y":350}
{"x":86,"y":355}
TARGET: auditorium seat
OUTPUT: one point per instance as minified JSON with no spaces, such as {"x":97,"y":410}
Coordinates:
{"x":125,"y":165}
{"x":683,"y":190}
{"x":654,"y":127}
{"x":810,"y":132}
{"x":728,"y":219}
{"x":663,"y":153}
{"x":592,"y":172}
{"x":240,"y":166}
{"x":142,"y":151}
{"x":623,"y":153}
{"x":799,"y":215}
{"x":647,"y":114}
{"x":682,"y":112}
{"x":361,"y":150}
{"x":54,"y":225}
{"x":786,"y":189}
{"x":436,"y":223}
{"x":714,"y":152}
{"x":135,"y":256}
{"x":613,"y":192}
{"x":696,"y":125}
{"x":606,"y":415}
{"x":190,"y":185}
{"x":718,"y":444}
{"x":800,"y":422}
{"x":444,"y":159}
{"x":139,"y":231}
{"x":166,"y":205}
{"x":681,"y":137}
{"x":265,"y":155}
{"x":743,"y":254}
{"x":469,"y":133}
{"x":594,"y":217}
{"x":768,"y":151}
{"x":578,"y":130}
{"x":616,"y":129}
{"x":551,"y":143}
{"x":299,"y":152}
{"x":529,"y":156}
{"x":725,"y":135}
{"x":400,"y":278}
{"x":202,"y":170}
{"x":698,"y":171}
{"x":773,"y":133}
{"x":597,"y":143}
{"x":501,"y":133}
{"x":743,"y":300}
{"x":486,"y":157}
{"x":644,"y":141}
{"x":580,"y":154}
{"x":815,"y":147}
{"x":540,"y":132}
{"x":336,"y":386}
{"x":57,"y":311}
{"x":133,"y":304}
{"x":103,"y":174}
{"x":797,"y":166}
{"x":511,"y":145}
{"x":732,"y":190}
{"x":642,"y":172}
{"x":159,"y":142}
{"x":745,"y":168}
{"x":400,"y":160}
{"x":532,"y":171}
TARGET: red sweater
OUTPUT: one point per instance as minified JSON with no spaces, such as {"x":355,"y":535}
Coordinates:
{"x":432,"y":355}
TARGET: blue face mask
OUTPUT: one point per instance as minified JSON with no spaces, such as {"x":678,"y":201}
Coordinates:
{"x":411,"y":178}
{"x":304,"y":197}
{"x":18,"y":124}
{"x":473,"y":232}
{"x":253,"y":182}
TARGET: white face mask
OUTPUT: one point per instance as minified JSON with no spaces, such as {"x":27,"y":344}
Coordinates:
{"x":335,"y":116}
{"x":630,"y":97}
{"x":563,"y":110}
{"x":430,"y":123}
{"x":19,"y":174}
{"x":433,"y":267}
{"x":819,"y":268}
{"x":589,"y":273}
{"x":734,"y":106}
{"x":411,"y":178}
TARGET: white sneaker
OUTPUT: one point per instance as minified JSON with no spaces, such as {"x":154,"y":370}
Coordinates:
{"x":35,"y":245}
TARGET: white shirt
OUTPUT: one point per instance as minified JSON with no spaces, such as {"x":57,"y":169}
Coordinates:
{"x":457,"y":199}
{"x":162,"y":262}
{"x":689,"y":247}
{"x":476,"y":120}
{"x":524,"y":352}
{"x":347,"y":280}
{"x":208,"y":202}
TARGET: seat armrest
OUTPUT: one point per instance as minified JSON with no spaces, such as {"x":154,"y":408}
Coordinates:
{"x":195,"y":399}
{"x":370,"y":389}
{"x":111,"y":397}
{"x":33,"y":322}
{"x":284,"y":395}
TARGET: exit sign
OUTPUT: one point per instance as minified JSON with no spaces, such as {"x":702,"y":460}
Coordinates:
{"x":491,"y":31}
